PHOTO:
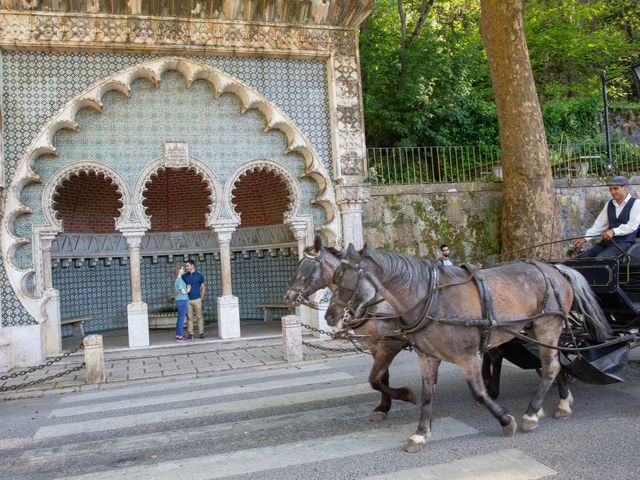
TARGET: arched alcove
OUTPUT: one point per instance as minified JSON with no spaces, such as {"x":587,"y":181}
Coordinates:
{"x":177,"y":199}
{"x":87,"y":202}
{"x":261,"y":198}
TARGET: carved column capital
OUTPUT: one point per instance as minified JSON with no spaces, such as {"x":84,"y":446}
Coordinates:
{"x":224,"y":234}
{"x":134,"y":240}
{"x":352,"y":196}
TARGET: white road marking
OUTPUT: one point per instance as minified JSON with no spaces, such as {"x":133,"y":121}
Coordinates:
{"x":112,"y":390}
{"x":127,"y":421}
{"x":509,"y":464}
{"x":279,"y":456}
{"x":198,"y":394}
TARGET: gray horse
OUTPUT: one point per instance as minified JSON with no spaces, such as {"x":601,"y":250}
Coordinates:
{"x":315,"y":272}
{"x":445,"y":314}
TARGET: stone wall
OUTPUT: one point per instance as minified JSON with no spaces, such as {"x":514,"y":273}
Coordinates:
{"x":417,"y":219}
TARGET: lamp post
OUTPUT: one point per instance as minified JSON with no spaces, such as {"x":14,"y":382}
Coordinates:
{"x":611,"y":165}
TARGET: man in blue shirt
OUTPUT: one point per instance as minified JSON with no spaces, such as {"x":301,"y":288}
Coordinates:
{"x":194,"y":279}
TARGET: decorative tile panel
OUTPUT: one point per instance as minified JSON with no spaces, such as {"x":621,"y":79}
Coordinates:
{"x":37,"y":84}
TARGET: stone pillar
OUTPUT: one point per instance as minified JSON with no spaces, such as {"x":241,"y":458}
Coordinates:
{"x":351,"y":199}
{"x":137,"y":312}
{"x":228,"y":306}
{"x":51,"y":327}
{"x":292,"y":338}
{"x":6,"y":360}
{"x":94,"y":359}
{"x":299,"y":230}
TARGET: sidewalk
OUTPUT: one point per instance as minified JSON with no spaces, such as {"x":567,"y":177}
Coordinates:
{"x":168,"y":360}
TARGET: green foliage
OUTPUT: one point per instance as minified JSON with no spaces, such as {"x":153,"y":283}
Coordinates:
{"x":448,"y":98}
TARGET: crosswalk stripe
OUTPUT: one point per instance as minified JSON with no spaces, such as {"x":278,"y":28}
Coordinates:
{"x":168,"y":384}
{"x":199,"y":394}
{"x":266,"y":458}
{"x":126,"y":421}
{"x":210,"y":433}
{"x":509,"y":464}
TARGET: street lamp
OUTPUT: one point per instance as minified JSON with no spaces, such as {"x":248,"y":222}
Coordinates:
{"x":611,"y":166}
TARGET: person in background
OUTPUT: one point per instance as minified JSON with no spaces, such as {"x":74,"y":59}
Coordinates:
{"x":445,"y":259}
{"x":197,"y":289}
{"x":182,"y":300}
{"x":617,"y":223}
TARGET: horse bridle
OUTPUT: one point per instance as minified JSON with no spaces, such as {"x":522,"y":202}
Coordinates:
{"x":301,"y":299}
{"x":348,"y":311}
{"x":424,"y":318}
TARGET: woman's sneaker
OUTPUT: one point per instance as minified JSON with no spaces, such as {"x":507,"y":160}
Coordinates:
{"x":180,"y":338}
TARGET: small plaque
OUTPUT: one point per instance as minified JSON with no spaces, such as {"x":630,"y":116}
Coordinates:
{"x":176,"y":154}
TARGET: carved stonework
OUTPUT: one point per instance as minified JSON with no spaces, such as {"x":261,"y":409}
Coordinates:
{"x":176,"y":154}
{"x":72,"y":246}
{"x":347,"y":111}
{"x":80,"y":29}
{"x":67,"y":30}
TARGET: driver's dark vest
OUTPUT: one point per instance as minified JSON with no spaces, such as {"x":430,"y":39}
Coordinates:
{"x":621,"y":220}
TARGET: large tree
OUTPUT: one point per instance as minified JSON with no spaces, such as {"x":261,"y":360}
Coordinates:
{"x":528,"y":196}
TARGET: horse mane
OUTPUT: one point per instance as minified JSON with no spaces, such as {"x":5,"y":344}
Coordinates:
{"x":334,"y":251}
{"x":399,"y":267}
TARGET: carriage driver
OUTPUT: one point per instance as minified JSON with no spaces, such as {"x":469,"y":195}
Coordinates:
{"x":618,"y":221}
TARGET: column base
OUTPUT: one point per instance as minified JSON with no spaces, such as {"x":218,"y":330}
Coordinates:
{"x":27,"y":347}
{"x":6,"y":359}
{"x":228,"y":317}
{"x":52,"y":331}
{"x":138,"y":324}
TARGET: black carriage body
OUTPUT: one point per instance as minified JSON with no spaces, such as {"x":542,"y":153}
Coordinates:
{"x":616,"y":283}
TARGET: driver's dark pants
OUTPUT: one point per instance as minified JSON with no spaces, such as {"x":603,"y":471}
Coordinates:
{"x":605,"y":248}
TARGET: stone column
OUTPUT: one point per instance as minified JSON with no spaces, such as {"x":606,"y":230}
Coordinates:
{"x":51,"y":327}
{"x":94,"y":359}
{"x":307,"y":315}
{"x":228,"y":306}
{"x":351,"y":199}
{"x":292,"y":339}
{"x":137,"y":312}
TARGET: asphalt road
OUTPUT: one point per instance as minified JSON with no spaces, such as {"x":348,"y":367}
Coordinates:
{"x":311,"y":422}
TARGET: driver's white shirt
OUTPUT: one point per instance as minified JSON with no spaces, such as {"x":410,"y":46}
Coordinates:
{"x":601,"y":224}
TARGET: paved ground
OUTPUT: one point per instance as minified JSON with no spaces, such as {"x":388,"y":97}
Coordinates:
{"x":261,"y":345}
{"x":309,"y":421}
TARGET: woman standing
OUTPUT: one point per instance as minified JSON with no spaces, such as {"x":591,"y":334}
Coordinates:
{"x":182,"y":300}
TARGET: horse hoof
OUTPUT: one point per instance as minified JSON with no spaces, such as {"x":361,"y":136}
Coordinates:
{"x":415,"y":444}
{"x":377,"y":416}
{"x":509,"y":430}
{"x":563,"y":410}
{"x":562,"y":414}
{"x":479,"y":403}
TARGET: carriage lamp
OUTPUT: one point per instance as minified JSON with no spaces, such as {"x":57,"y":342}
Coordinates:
{"x":612,"y":169}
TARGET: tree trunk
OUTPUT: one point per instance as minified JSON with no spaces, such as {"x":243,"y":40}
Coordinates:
{"x":528,"y":193}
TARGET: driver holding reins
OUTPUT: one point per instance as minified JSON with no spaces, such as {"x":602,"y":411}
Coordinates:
{"x":617,"y":223}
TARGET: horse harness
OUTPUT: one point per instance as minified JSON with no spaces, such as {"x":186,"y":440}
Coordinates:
{"x":430,"y":303}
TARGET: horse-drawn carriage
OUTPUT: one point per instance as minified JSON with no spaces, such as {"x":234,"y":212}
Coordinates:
{"x":393,"y":301}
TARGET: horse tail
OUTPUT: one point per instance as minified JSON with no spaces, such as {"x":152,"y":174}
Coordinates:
{"x":585,"y":303}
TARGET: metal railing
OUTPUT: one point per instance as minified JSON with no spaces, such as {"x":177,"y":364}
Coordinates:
{"x":446,"y":164}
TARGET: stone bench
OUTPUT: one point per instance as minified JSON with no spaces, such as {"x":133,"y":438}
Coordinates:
{"x":268,"y":309}
{"x":76,"y":323}
{"x":165,"y":320}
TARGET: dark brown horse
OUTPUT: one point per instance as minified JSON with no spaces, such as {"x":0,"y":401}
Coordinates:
{"x":445,"y":311}
{"x":315,"y":272}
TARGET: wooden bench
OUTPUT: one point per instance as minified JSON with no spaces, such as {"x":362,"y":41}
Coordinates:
{"x":268,"y":309}
{"x":76,"y":323}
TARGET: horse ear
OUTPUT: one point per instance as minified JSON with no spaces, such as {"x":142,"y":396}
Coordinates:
{"x":351,"y":249}
{"x":363,"y":252}
{"x":317,"y":243}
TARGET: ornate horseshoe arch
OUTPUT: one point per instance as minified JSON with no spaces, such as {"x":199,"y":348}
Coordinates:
{"x":54,"y":224}
{"x":191,"y":163}
{"x":121,"y":81}
{"x":293,"y":187}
